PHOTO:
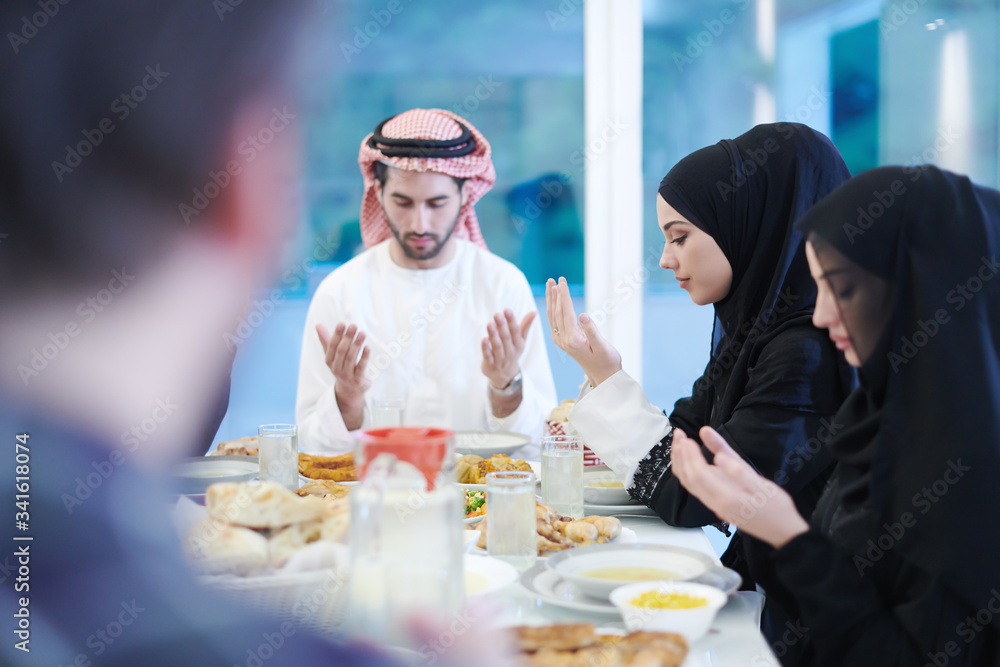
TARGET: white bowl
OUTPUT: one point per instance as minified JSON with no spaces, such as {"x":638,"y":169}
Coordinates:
{"x":573,"y":564}
{"x":485,"y":575}
{"x":691,"y":623}
{"x":603,"y":495}
{"x":488,"y":443}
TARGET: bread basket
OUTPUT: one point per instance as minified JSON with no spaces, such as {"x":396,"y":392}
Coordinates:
{"x":315,"y":600}
{"x":564,"y":428}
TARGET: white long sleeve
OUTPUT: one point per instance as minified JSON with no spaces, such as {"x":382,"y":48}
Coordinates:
{"x":618,"y":422}
{"x":424,"y":329}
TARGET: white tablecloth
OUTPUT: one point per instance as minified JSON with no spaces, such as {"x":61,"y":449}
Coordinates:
{"x":734,"y":639}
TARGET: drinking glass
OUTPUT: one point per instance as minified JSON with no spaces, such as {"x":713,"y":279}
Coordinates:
{"x":278,"y":447}
{"x":387,"y":411}
{"x":511,"y":533}
{"x":562,"y":474}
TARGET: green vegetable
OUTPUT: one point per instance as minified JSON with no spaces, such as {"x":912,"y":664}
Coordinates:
{"x":474,"y":500}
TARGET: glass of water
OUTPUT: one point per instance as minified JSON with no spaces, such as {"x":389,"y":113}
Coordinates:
{"x":511,"y":533}
{"x":278,"y":447}
{"x":562,"y":474}
{"x":387,"y":411}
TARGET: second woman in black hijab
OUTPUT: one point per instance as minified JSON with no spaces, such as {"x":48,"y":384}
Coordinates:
{"x":773,"y":381}
{"x":900,"y":562}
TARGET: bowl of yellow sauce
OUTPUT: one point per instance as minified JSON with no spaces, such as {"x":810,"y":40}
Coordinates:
{"x":600,"y":569}
{"x":602,"y":487}
{"x":683,"y":607}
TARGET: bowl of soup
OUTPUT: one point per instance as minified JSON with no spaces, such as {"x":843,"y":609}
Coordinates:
{"x":597,"y":570}
{"x":602,"y":487}
{"x":669,"y":606}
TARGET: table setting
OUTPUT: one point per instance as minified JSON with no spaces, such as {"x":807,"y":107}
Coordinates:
{"x":541,"y":544}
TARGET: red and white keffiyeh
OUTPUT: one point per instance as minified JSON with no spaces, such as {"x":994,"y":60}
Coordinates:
{"x":436,"y":124}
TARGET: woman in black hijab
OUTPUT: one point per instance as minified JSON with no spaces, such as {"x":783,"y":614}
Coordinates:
{"x":773,"y":381}
{"x":894,"y":567}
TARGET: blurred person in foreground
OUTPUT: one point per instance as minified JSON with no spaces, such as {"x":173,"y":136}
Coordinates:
{"x":146,"y":162}
{"x":402,"y":318}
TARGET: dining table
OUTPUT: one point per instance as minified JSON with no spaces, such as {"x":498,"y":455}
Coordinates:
{"x":734,"y":639}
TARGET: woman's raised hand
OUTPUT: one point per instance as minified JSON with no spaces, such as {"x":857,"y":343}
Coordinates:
{"x":733,"y":490}
{"x":579,"y":337}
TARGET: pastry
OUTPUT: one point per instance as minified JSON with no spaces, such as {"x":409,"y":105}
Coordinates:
{"x":220,"y":548}
{"x":261,"y":505}
{"x":330,"y":528}
{"x":323,"y":488}
{"x":242,"y":447}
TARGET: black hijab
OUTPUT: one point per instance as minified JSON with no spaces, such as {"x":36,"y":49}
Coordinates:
{"x":747,"y":193}
{"x":923,"y":431}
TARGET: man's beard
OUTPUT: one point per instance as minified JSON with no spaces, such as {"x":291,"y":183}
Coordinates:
{"x":429,"y":253}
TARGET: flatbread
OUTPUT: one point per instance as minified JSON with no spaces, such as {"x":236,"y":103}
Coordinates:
{"x":260,"y":505}
{"x":330,"y":528}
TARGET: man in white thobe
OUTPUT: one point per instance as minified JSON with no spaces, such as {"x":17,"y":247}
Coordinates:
{"x":406,"y":318}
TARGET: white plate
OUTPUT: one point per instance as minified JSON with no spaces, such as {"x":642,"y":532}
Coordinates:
{"x":498,"y":574}
{"x":686,"y":564}
{"x":488,"y":443}
{"x":609,"y":510}
{"x":473,"y":520}
{"x":627,"y":536}
{"x":548,"y":586}
{"x":303,"y":480}
{"x":194,"y":475}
